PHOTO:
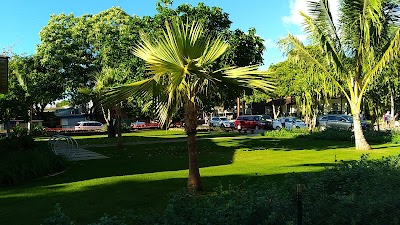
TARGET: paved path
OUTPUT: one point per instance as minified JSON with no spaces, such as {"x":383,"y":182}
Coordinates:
{"x":76,"y":154}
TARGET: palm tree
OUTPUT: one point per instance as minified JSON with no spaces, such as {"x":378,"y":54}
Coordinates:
{"x":353,"y":50}
{"x":180,"y":62}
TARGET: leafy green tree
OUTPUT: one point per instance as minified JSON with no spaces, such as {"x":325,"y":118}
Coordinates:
{"x":41,"y":85}
{"x":180,"y":61}
{"x":354,"y":51}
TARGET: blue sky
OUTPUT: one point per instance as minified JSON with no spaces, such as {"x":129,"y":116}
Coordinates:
{"x":22,"y":20}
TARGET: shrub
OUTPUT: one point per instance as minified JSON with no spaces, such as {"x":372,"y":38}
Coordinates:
{"x":57,"y":217}
{"x":18,"y":166}
{"x":344,"y":135}
{"x":362,"y":192}
{"x":38,"y":131}
{"x":285,"y":133}
{"x":17,"y":143}
{"x":19,"y":131}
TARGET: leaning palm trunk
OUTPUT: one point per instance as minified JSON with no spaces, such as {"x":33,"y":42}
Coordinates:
{"x":194,"y":182}
{"x":360,"y":141}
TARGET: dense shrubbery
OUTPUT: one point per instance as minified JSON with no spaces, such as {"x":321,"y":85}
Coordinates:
{"x":285,"y":133}
{"x":22,"y":159}
{"x":38,"y":131}
{"x":363,"y":192}
{"x":335,"y":135}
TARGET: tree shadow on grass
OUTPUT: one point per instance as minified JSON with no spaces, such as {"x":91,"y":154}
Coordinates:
{"x":88,"y":203}
{"x":159,"y":157}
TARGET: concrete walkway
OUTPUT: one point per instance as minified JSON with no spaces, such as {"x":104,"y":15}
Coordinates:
{"x":73,"y":154}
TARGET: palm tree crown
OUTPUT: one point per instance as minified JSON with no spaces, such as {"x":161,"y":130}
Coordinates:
{"x":180,"y":62}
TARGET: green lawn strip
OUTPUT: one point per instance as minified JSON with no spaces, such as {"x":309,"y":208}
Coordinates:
{"x":148,"y":135}
{"x":140,"y":178}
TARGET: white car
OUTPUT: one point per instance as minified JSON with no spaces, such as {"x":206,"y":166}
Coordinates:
{"x":88,"y":125}
{"x":290,"y":123}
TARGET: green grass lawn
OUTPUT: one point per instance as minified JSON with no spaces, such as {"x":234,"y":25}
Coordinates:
{"x":145,"y":135}
{"x":140,"y":177}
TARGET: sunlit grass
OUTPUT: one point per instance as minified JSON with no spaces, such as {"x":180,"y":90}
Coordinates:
{"x":139,"y":178}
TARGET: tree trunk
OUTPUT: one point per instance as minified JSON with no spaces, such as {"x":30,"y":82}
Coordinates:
{"x":360,"y":141}
{"x":392,"y":106}
{"x":276,"y":111}
{"x":194,"y":183}
{"x":110,"y":122}
{"x":119,"y":127}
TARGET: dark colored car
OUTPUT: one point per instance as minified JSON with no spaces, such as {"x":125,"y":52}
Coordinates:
{"x":340,"y":122}
{"x":248,"y":122}
{"x":266,"y":122}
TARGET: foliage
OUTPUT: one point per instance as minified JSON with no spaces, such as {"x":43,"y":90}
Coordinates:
{"x":376,"y":137}
{"x":57,"y":217}
{"x":38,"y":131}
{"x":285,"y":133}
{"x":42,"y":86}
{"x":368,"y":187}
{"x":63,"y":103}
{"x":353,"y":51}
{"x":17,"y":166}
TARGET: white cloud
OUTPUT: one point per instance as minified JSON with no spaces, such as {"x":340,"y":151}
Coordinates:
{"x":301,"y":37}
{"x":297,"y":6}
{"x":269,"y":43}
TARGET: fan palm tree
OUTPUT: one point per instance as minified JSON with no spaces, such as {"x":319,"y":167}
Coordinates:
{"x":180,"y":62}
{"x":355,"y":49}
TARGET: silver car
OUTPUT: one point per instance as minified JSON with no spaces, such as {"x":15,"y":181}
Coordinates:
{"x":338,"y":121}
{"x":222,"y":122}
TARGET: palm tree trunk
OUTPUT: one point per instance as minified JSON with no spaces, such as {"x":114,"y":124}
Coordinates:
{"x":194,"y":183}
{"x":361,"y":142}
{"x":119,"y":124}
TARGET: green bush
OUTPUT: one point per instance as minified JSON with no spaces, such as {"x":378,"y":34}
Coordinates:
{"x":19,"y":166}
{"x":344,"y":135}
{"x":285,"y":133}
{"x":38,"y":131}
{"x":17,"y":143}
{"x":363,"y":192}
{"x":58,"y":217}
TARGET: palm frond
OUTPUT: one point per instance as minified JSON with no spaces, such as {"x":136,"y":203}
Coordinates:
{"x":251,"y":77}
{"x":138,"y":89}
{"x":327,"y":38}
{"x":391,"y":52}
{"x":293,"y":45}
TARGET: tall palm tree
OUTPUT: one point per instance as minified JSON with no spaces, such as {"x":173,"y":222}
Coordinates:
{"x":180,"y":62}
{"x":355,"y":49}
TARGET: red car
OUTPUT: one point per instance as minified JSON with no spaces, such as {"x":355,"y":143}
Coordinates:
{"x":248,"y":122}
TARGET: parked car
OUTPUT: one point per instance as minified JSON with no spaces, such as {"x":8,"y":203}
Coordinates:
{"x":88,"y":125}
{"x":222,"y":122}
{"x":144,"y":125}
{"x":266,"y":122}
{"x":339,"y":121}
{"x":248,"y":122}
{"x":138,"y":125}
{"x":288,"y":123}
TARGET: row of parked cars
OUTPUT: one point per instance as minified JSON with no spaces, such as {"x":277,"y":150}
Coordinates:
{"x":255,"y":122}
{"x":252,"y":123}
